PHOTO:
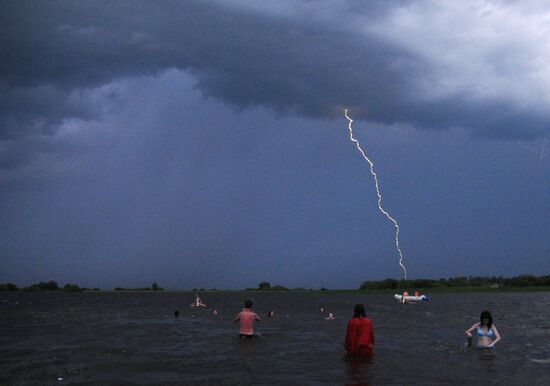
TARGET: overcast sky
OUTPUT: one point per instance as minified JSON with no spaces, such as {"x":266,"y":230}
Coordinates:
{"x":204,"y":144}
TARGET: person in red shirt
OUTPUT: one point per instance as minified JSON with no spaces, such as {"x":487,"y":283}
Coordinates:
{"x":246,"y":319}
{"x":359,"y":334}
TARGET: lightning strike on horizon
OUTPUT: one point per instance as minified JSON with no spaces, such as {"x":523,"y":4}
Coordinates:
{"x":378,"y":192}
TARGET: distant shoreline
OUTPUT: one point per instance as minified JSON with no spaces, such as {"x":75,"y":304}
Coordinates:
{"x":460,"y":284}
{"x":428,"y":291}
{"x":449,"y":290}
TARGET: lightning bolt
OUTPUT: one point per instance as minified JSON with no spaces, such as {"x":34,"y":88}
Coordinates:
{"x":378,"y":192}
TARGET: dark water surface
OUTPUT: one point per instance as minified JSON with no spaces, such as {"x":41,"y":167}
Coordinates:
{"x":134,"y":339}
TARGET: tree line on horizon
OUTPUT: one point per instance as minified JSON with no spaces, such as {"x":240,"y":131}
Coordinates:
{"x":52,"y":285}
{"x":460,"y":281}
{"x":394,"y":284}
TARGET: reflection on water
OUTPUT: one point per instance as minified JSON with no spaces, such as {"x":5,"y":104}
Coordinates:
{"x":358,"y":370}
{"x":134,"y":338}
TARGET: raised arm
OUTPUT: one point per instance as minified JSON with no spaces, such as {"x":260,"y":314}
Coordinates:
{"x":468,"y":332}
{"x":497,"y":336}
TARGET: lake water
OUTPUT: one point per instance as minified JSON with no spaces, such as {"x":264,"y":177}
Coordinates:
{"x":134,"y":339}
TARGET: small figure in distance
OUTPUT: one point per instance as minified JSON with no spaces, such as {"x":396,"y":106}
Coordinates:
{"x":330,"y":316}
{"x":215,"y":312}
{"x":271,"y":313}
{"x":321,"y":309}
{"x":176,"y":314}
{"x":359,"y":334}
{"x":404,"y":298}
{"x":198,"y":302}
{"x":485,"y":331}
{"x":246,"y":319}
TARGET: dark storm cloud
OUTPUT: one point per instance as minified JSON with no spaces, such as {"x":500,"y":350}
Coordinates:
{"x":291,"y":63}
{"x":48,"y":106}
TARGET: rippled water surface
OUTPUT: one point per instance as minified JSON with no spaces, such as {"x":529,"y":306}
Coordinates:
{"x":134,"y":339}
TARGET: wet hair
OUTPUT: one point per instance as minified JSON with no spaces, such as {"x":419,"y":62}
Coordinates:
{"x":486,"y":315}
{"x":248,"y":304}
{"x":359,"y":311}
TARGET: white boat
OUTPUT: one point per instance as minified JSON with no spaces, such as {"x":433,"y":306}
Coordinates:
{"x":410,"y":298}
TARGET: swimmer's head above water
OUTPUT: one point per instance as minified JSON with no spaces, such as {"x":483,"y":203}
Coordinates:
{"x":486,"y":319}
{"x":359,"y":311}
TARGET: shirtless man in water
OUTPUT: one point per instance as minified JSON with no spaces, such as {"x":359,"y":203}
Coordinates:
{"x":246,"y":319}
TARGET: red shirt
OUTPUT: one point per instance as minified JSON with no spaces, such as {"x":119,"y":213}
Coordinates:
{"x":246,"y":318}
{"x":359,"y":337}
